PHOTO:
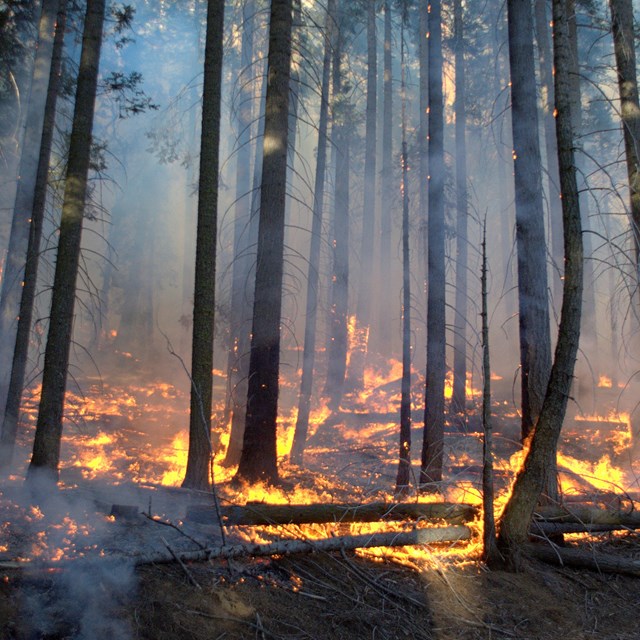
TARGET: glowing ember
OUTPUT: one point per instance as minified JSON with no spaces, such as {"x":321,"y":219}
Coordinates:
{"x":605,"y":382}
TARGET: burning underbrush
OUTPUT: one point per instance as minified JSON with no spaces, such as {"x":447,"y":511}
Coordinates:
{"x":120,"y":505}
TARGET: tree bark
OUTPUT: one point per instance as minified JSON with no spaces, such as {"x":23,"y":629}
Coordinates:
{"x":21,"y":350}
{"x":258,"y":461}
{"x":198,"y":472}
{"x":530,"y":481}
{"x":433,"y":443}
{"x":46,"y":448}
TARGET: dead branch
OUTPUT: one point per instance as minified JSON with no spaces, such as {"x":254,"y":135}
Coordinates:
{"x":588,"y":515}
{"x":266,"y":514}
{"x":294,"y":546}
{"x":584,"y":559}
{"x":545,"y":529}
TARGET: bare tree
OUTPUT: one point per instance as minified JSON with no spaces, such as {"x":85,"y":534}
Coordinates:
{"x":13,"y":272}
{"x":46,"y":448}
{"x":259,"y":456}
{"x":532,"y":477}
{"x":459,"y":398}
{"x":23,"y":332}
{"x":535,"y":338}
{"x":357,"y":362}
{"x":200,"y":451}
{"x":624,"y":46}
{"x":309,"y":349}
{"x":432,"y":448}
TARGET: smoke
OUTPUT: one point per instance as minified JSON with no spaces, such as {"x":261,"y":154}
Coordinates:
{"x":82,"y":601}
{"x":70,"y":589}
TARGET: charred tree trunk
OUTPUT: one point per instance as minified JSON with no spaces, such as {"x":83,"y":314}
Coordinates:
{"x":309,"y":349}
{"x":200,"y":451}
{"x":259,"y":456}
{"x":530,"y":482}
{"x":624,"y":46}
{"x":21,"y":351}
{"x":535,"y":339}
{"x":46,"y":448}
{"x":432,"y":449}
{"x":403,"y":477}
{"x":14,"y":267}
{"x":363,"y":310}
{"x":459,"y":397}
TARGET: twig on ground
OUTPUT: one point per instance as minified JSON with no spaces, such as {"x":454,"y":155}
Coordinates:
{"x":188,"y":573}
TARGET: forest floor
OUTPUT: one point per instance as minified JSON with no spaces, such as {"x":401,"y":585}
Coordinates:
{"x":443,"y":592}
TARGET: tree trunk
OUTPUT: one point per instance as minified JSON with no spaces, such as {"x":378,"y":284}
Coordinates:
{"x":359,"y":349}
{"x":259,"y":456}
{"x":459,"y":397}
{"x":403,"y":477}
{"x":624,"y":46}
{"x":337,"y":543}
{"x":338,"y":316}
{"x":21,"y":351}
{"x":46,"y":448}
{"x":14,"y":266}
{"x":386,"y":188}
{"x":239,"y":329}
{"x":553,"y":189}
{"x":423,"y":146}
{"x":589,"y":332}
{"x":200,"y":451}
{"x":488,"y":518}
{"x":269,"y":514}
{"x":530,"y":481}
{"x":432,"y":449}
{"x":535,"y":339}
{"x":309,"y":349}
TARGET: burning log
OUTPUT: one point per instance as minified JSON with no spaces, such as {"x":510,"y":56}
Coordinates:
{"x":267,"y":514}
{"x":602,"y":562}
{"x":296,"y":546}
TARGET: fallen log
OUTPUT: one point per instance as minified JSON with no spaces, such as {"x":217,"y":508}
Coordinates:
{"x":588,"y":515}
{"x":265,"y":514}
{"x":602,"y":562}
{"x":296,"y":546}
{"x":544,"y":529}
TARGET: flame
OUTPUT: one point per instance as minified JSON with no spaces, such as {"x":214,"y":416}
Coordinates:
{"x":604,"y":382}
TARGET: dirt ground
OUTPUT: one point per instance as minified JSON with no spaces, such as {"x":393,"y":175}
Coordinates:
{"x":331,"y":596}
{"x":341,"y":596}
